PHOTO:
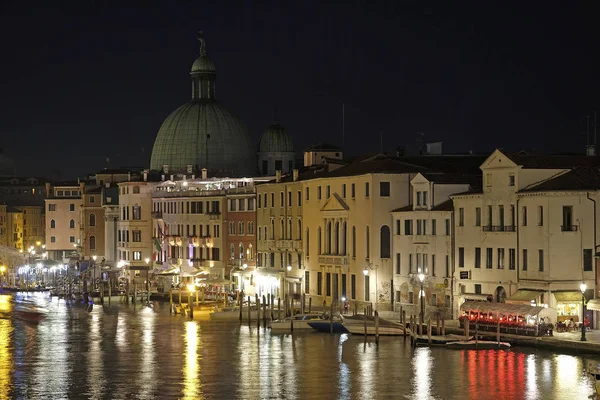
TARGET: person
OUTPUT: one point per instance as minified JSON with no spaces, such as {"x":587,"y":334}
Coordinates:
{"x":586,"y":323}
{"x":346,"y":306}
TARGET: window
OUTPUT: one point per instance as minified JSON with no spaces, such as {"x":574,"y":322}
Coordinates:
{"x":488,"y":180}
{"x":353,"y":241}
{"x":52,"y":239}
{"x":306,"y":282}
{"x":447,"y":227}
{"x":366,"y":189}
{"x":242,"y":253}
{"x":587,"y":260}
{"x":434,"y":299}
{"x":328,"y":192}
{"x":71,"y":207}
{"x":232,"y":205}
{"x":232,"y":228}
{"x":328,"y":284}
{"x":541,"y":260}
{"x":540,"y":215}
{"x":501,"y":216}
{"x":92,"y":242}
{"x":344,"y":190}
{"x":447,"y":266}
{"x":411,"y":267}
{"x":398,"y":223}
{"x":419,"y":198}
{"x":461,"y":257}
{"x":52,"y":224}
{"x":137,"y":235}
{"x":137,"y":212}
{"x":51,"y":207}
{"x":280,"y":199}
{"x":240,"y":228}
{"x":477,"y":257}
{"x":367,"y":288}
{"x":424,"y":198}
{"x":511,"y":180}
{"x":398,"y":266}
{"x":71,"y":239}
{"x":72,"y":224}
{"x":272,"y":200}
{"x":319,"y":193}
{"x":490,"y":217}
{"x":419,"y":227}
{"x":319,"y":241}
{"x":289,"y":204}
{"x":384,"y":189}
{"x":512,"y":215}
{"x":567,"y":218}
{"x":433,"y":265}
{"x":461,"y":217}
{"x":242,"y":204}
{"x":524,"y":215}
{"x":232,"y":251}
{"x":408,"y":227}
{"x":524,"y":260}
{"x":385,"y":242}
{"x":92,"y":199}
{"x":411,"y":297}
{"x":512,"y":259}
{"x":307,"y":194}
{"x":299,"y":202}
{"x":489,"y":257}
{"x":92,"y":219}
{"x":478,"y":216}
{"x":433,"y":227}
{"x":368,"y":248}
{"x":500,"y":258}
{"x":353,"y":187}
{"x":250,"y":228}
{"x":136,"y":190}
{"x":477,"y":288}
{"x":353,"y":286}
{"x":137,"y":255}
{"x":319,"y":283}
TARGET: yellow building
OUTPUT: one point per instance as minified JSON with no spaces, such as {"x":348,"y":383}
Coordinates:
{"x":34,"y":223}
{"x":14,"y":228}
{"x":3,"y":225}
{"x":63,"y":204}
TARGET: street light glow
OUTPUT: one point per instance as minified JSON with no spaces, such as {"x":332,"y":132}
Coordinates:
{"x":421,"y":277}
{"x":94,"y":257}
{"x":289,"y":267}
{"x":366,"y":271}
{"x":582,"y":287}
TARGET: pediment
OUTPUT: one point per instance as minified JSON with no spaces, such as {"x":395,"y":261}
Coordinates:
{"x":497,"y":160}
{"x":335,"y":203}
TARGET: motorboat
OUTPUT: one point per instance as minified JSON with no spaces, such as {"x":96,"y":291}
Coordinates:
{"x":478,"y":345}
{"x":439,"y":339}
{"x":327,"y":326}
{"x":29,"y":313}
{"x":356,"y":325}
{"x":299,"y":321}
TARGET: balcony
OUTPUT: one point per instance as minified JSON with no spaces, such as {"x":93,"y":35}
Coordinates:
{"x":569,"y":228}
{"x":499,"y":228}
{"x":284,"y":244}
{"x":335,"y":260}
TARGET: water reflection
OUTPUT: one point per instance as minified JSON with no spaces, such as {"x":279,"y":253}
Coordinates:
{"x":128,"y":351}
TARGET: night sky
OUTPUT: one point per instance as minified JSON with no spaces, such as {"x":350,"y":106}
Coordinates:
{"x":91,"y":80}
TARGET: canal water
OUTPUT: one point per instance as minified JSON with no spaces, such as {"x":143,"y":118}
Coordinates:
{"x":136,"y":352}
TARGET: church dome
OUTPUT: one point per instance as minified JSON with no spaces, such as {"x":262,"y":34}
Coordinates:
{"x":202,"y":133}
{"x":275,"y":139}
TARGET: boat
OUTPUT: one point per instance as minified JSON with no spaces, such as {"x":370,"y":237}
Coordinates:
{"x":29,"y":313}
{"x":356,"y":325}
{"x":478,"y":344}
{"x":327,"y":326}
{"x":439,"y":339}
{"x":300,"y":321}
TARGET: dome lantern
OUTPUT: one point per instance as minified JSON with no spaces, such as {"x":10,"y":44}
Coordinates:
{"x":203,"y":73}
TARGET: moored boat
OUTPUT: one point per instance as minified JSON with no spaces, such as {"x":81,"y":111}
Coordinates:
{"x":327,"y":326}
{"x":300,"y":321}
{"x":478,"y":344}
{"x":439,"y":339}
{"x":356,"y":325}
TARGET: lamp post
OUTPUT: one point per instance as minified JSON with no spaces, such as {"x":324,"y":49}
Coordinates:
{"x":94,"y":257}
{"x":366,"y":272}
{"x":582,"y":287}
{"x":147,"y":279}
{"x":422,"y":295}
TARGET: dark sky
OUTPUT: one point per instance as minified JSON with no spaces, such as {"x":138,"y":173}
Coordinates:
{"x":95,"y":79}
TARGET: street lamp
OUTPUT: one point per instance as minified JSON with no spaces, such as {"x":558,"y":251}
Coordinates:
{"x":366,"y":272}
{"x":582,"y":287}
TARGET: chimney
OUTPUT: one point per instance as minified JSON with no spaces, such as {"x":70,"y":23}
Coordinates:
{"x":162,"y":177}
{"x":278,"y":176}
{"x":295,"y":174}
{"x":82,"y":187}
{"x":48,"y":190}
{"x":172,"y":178}
{"x":204,"y":173}
{"x":145,"y":175}
{"x":193,"y":176}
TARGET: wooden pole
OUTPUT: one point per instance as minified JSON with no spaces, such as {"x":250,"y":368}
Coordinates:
{"x":109,"y":291}
{"x":285,"y":306}
{"x":403,"y":319}
{"x":191,"y":305}
{"x":443,"y":327}
{"x":309,"y":304}
{"x":279,"y":308}
{"x":429,"y":330}
{"x":303,"y":303}
{"x":264,"y":312}
{"x":400,"y":315}
{"x":272,"y":300}
{"x":365,"y":323}
{"x":498,"y":329}
{"x":257,"y":311}
{"x":134,"y":293}
{"x":240,"y":301}
{"x":249,"y":312}
{"x":376,"y":327}
{"x":467,"y":326}
{"x":437,"y":324}
{"x":171,"y":301}
{"x":331,"y":318}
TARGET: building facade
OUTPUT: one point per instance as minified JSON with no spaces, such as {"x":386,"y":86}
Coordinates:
{"x":34,"y":225}
{"x":63,"y":208}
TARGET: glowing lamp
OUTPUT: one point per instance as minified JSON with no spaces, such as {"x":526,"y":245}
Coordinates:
{"x":421,"y":277}
{"x":289,"y":267}
{"x":582,"y":287}
{"x":366,"y":271}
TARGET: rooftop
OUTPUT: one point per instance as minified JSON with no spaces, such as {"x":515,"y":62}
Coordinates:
{"x":551,"y":161}
{"x":321,"y":146}
{"x":578,"y":179}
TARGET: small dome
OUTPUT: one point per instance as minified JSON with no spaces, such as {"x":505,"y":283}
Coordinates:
{"x":204,"y":64}
{"x":275,"y":139}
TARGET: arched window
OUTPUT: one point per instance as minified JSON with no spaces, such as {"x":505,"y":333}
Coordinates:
{"x":300,"y":229}
{"x":137,"y":212}
{"x":136,"y":190}
{"x":240,"y":228}
{"x":72,"y":224}
{"x":319,"y":241}
{"x":353,"y":241}
{"x":265,"y":233}
{"x":368,"y":244}
{"x":281,"y":229}
{"x":343,"y":239}
{"x":259,"y":233}
{"x":272,"y":229}
{"x":52,"y":224}
{"x":250,"y":252}
{"x":250,"y":228}
{"x":232,"y":251}
{"x":92,"y":242}
{"x":242,"y":251}
{"x":336,"y":238}
{"x":328,"y":238}
{"x":384,"y":242}
{"x":92,"y":219}
{"x":290,"y":236}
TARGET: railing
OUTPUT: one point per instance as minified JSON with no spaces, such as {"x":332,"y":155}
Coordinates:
{"x":569,"y":228}
{"x":499,"y":228}
{"x":333,"y":260}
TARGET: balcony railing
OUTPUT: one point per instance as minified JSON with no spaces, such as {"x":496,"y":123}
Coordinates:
{"x":569,"y":228}
{"x":498,"y":228}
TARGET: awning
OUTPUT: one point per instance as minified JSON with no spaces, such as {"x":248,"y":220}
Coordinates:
{"x":574,"y":297}
{"x":523,"y":296}
{"x":508,"y":309}
{"x":593,"y":304}
{"x":477,"y":296}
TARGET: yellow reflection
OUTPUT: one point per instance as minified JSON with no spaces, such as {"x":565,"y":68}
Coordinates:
{"x":96,"y":379}
{"x":6,"y":329}
{"x":422,"y":373}
{"x":147,"y":370}
{"x":567,"y":369}
{"x":121,"y":336}
{"x":531,"y":383}
{"x":192,"y":385}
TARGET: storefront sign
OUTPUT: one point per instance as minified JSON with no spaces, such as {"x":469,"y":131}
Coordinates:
{"x":464,"y":274}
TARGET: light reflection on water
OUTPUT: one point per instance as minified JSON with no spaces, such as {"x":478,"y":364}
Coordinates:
{"x":123,"y":352}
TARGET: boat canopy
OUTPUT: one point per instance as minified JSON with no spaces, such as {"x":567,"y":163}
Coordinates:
{"x":509,"y":309}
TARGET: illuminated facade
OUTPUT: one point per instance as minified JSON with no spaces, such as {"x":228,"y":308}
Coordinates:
{"x":34,"y":225}
{"x":63,"y":205}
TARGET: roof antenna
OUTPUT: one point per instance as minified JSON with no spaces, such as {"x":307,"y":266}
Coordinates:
{"x":343,"y":124}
